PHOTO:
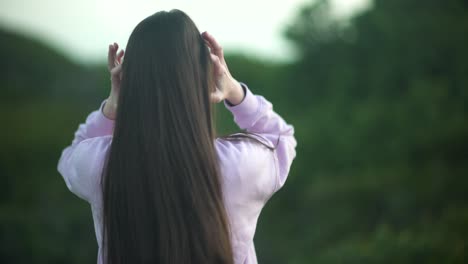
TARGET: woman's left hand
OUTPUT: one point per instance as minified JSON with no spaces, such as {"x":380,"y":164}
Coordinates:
{"x":115,"y":68}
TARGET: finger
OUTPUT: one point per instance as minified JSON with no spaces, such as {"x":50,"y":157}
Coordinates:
{"x":208,"y":44}
{"x":214,"y":45}
{"x":119,"y":56}
{"x":209,"y":40}
{"x":115,"y":47}
{"x":110,"y":57}
{"x":210,"y":50}
{"x":218,"y":67}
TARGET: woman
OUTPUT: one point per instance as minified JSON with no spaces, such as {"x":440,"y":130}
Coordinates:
{"x":163,"y":187}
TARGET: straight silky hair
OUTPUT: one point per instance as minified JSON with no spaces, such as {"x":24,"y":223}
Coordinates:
{"x":162,"y":195}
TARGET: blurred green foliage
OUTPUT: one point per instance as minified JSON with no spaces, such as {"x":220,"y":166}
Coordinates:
{"x":379,"y":103}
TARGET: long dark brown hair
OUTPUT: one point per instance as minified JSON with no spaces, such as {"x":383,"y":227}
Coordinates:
{"x":162,"y":197}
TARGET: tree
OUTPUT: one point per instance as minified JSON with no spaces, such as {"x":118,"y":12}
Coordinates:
{"x":381,"y":170}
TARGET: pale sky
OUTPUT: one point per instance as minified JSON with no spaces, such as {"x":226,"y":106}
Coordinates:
{"x":83,"y":29}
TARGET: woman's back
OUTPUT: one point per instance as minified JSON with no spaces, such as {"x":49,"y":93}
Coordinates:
{"x":251,"y":172}
{"x":151,"y":203}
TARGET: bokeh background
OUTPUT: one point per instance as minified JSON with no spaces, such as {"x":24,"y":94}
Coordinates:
{"x":378,"y":97}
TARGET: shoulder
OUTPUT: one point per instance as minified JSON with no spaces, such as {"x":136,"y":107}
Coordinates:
{"x":90,"y":153}
{"x":81,"y":166}
{"x":248,"y":168}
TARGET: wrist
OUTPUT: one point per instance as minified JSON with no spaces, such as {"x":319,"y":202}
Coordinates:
{"x":110,"y":108}
{"x":236,"y":93}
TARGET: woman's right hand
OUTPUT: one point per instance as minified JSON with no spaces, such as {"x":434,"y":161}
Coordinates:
{"x":114,"y":66}
{"x":227,"y":88}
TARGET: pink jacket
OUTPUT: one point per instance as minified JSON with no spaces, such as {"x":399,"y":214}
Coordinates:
{"x":251,"y":172}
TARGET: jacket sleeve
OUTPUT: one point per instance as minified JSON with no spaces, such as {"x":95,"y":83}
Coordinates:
{"x":81,"y":163}
{"x":255,"y":114}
